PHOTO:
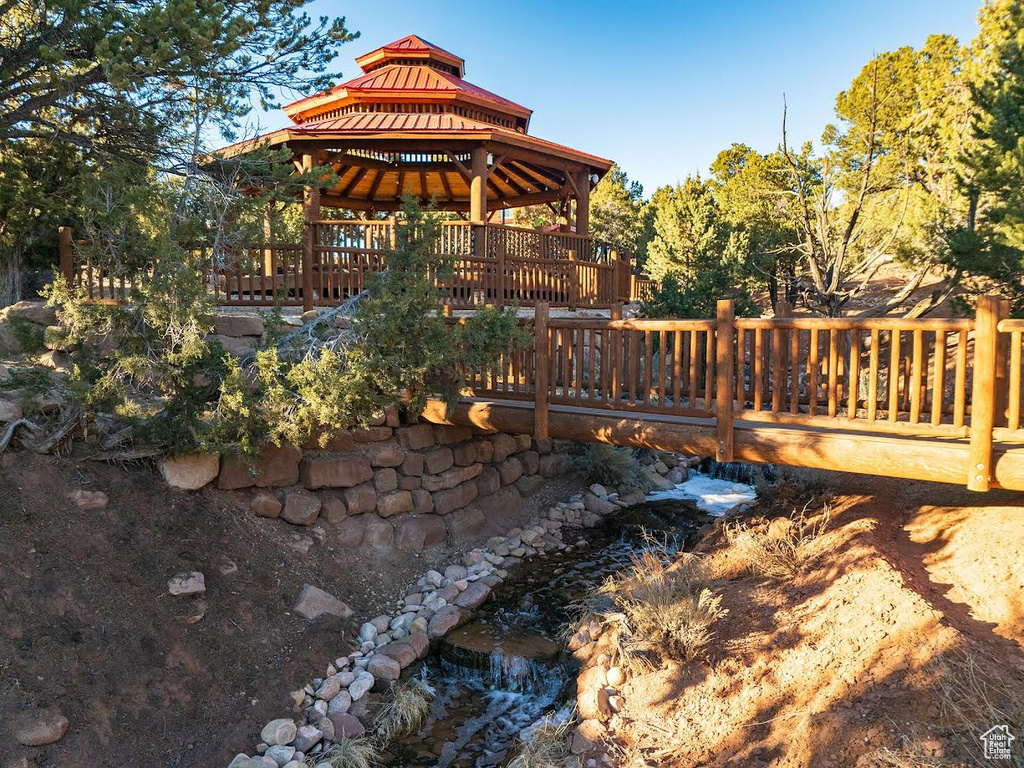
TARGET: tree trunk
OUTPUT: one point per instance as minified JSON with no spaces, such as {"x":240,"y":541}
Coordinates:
{"x":10,"y":277}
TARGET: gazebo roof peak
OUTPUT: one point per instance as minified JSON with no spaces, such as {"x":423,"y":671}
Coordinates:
{"x":410,"y":49}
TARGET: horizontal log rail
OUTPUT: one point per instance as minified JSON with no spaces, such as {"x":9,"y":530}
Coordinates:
{"x":941,"y":382}
{"x":492,"y":264}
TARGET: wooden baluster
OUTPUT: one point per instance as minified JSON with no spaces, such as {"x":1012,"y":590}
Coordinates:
{"x":677,"y":367}
{"x":853,"y":391}
{"x":873,"y":375}
{"x":915,"y":376}
{"x":894,"y":374}
{"x":939,"y":378}
{"x":662,"y":355}
{"x":778,"y":373}
{"x":744,"y":387}
{"x":794,"y":371}
{"x":724,"y":360}
{"x":813,"y":368}
{"x":694,"y":351}
{"x":709,"y":368}
{"x":1013,"y":414}
{"x":542,"y":348}
{"x":632,"y":395}
{"x":833,"y":372}
{"x":592,"y":367}
{"x":580,"y":339}
{"x":757,"y":383}
{"x":648,"y":382}
{"x":615,"y":349}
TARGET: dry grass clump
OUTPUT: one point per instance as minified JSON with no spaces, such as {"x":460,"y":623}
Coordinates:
{"x":548,"y":748}
{"x":348,"y":753}
{"x":780,"y":549}
{"x":978,"y":693}
{"x":658,"y":607}
{"x":404,"y":714}
{"x":609,"y":465}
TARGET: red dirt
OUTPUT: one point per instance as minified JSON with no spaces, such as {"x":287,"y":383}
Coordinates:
{"x":841,"y":662}
{"x":88,"y":625}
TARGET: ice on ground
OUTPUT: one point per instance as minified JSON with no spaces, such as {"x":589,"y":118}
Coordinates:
{"x":714,"y":496}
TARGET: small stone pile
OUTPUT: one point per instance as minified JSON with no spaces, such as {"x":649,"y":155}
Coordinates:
{"x":438,"y":602}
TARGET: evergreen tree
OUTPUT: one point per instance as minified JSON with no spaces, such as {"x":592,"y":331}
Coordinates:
{"x":616,"y":210}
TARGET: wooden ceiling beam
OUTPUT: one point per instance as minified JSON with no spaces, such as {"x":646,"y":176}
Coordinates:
{"x":353,"y":182}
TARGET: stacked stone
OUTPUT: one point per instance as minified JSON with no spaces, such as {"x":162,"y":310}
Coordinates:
{"x":436,"y":603}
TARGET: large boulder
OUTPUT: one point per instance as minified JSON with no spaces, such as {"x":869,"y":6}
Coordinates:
{"x":238,"y":325}
{"x":415,"y":437}
{"x":394,"y":503}
{"x":314,"y":602}
{"x":360,"y":499}
{"x":273,"y":466}
{"x":465,"y":524}
{"x":418,"y":533}
{"x":190,"y":472}
{"x":36,"y":312}
{"x":455,"y":498}
{"x":300,"y":508}
{"x":335,"y":472}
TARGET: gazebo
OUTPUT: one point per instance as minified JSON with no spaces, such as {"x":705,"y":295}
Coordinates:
{"x":410,"y":124}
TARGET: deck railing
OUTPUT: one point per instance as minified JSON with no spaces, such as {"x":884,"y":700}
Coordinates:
{"x":493,"y":264}
{"x":944,"y":379}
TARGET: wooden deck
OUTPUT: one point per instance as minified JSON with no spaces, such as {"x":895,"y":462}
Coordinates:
{"x":929,"y":399}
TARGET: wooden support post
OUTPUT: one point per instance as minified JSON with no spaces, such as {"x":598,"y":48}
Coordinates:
{"x":983,"y":396}
{"x":542,"y":368}
{"x":724,"y":389}
{"x":478,"y":186}
{"x":67,"y":258}
{"x":310,"y":214}
{"x":268,"y":238}
{"x":1002,"y":366}
{"x":583,"y":203}
{"x":574,"y":280}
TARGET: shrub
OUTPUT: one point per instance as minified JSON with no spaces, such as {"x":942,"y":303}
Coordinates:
{"x":658,"y":607}
{"x":347,"y":753}
{"x":779,"y":550}
{"x":609,"y":465}
{"x":29,"y":336}
{"x":404,"y":714}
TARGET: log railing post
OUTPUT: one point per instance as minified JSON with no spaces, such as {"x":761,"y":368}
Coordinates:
{"x":499,"y":273}
{"x":67,"y":257}
{"x":574,"y":280}
{"x":724,"y":387}
{"x":541,"y":369}
{"x":983,"y":393}
{"x":310,"y":214}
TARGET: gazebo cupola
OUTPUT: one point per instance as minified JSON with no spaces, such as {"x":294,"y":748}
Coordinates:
{"x":410,"y":124}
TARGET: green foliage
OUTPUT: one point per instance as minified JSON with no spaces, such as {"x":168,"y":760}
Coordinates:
{"x":611,"y":466}
{"x":698,"y":297}
{"x":149,"y":361}
{"x":616,"y":210}
{"x":28,"y":335}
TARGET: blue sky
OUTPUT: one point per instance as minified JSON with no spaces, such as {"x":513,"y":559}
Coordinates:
{"x":659,"y":87}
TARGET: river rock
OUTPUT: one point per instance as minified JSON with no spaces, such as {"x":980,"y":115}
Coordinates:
{"x":190,"y":472}
{"x":364,"y":682}
{"x":384,"y":667}
{"x":191,"y":583}
{"x":368,"y":632}
{"x":587,"y":735}
{"x":616,"y":677}
{"x":346,"y":726}
{"x":280,"y":753}
{"x":340,"y":703}
{"x":474,"y":595}
{"x":306,"y":737}
{"x":38,"y":727}
{"x":654,"y":481}
{"x":447,"y":618}
{"x":598,"y":505}
{"x":314,"y":602}
{"x":266,"y":505}
{"x":328,"y":689}
{"x":281,"y":731}
{"x":89,"y":499}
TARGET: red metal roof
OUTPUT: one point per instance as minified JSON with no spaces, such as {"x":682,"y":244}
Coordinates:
{"x":402,"y":77}
{"x":415,"y":43}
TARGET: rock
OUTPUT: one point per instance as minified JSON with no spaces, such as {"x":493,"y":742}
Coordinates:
{"x":361,"y":685}
{"x":372,"y":434}
{"x":484,"y":451}
{"x":474,"y":596}
{"x":39,"y":727}
{"x":456,"y":572}
{"x":498,"y":505}
{"x":36,"y":312}
{"x":235,"y":347}
{"x":306,"y":737}
{"x":379,"y":533}
{"x":384,"y":667}
{"x":394,"y":503}
{"x":314,"y":602}
{"x":10,"y":411}
{"x":273,"y":466}
{"x":616,"y":677}
{"x":415,"y":437}
{"x":450,"y":477}
{"x":464,"y":454}
{"x":191,"y":583}
{"x":329,"y":688}
{"x":360,"y":499}
{"x":335,"y":472}
{"x":418,"y":533}
{"x":351,"y":532}
{"x":278,"y":732}
{"x":447,"y":618}
{"x":655,"y":481}
{"x":333,"y":510}
{"x":599,"y":490}
{"x":280,"y":754}
{"x":438,"y":460}
{"x":530,"y":485}
{"x":598,"y":505}
{"x":412,"y":465}
{"x":346,"y":726}
{"x":300,"y":508}
{"x":504,"y":446}
{"x":454,"y":498}
{"x":446,"y":434}
{"x":402,"y":652}
{"x":530,"y":461}
{"x":510,"y":470}
{"x":238,"y":325}
{"x":385,"y":455}
{"x":422,"y":502}
{"x":551,"y":465}
{"x":587,"y":736}
{"x":89,"y":499}
{"x":660,"y":467}
{"x":190,"y":472}
{"x":266,"y":505}
{"x":488,"y":481}
{"x":385,"y":480}
{"x":5,"y":373}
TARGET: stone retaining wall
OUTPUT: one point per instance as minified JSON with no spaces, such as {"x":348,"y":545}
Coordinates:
{"x":408,"y":486}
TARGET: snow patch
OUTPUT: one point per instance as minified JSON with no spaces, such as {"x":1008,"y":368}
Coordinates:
{"x":714,"y":496}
